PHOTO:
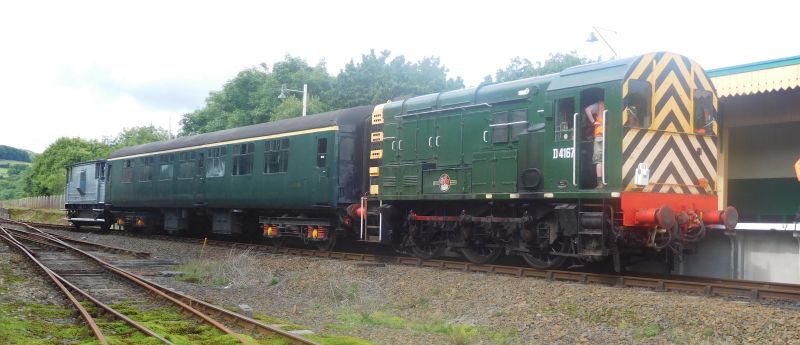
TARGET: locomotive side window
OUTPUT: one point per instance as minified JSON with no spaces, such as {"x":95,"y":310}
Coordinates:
{"x":518,"y":122}
{"x":704,"y":113}
{"x":215,"y":162}
{"x":637,"y":104}
{"x":565,"y":119}
{"x":243,"y":159}
{"x":499,"y":127}
{"x":322,"y":151}
{"x":166,"y":167}
{"x":276,"y":156}
{"x":127,"y":172}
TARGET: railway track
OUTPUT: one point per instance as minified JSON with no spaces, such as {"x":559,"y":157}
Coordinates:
{"x":83,"y":276}
{"x":709,"y":287}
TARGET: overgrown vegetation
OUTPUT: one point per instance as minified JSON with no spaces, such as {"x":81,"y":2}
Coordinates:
{"x":239,"y":268}
{"x":50,"y":216}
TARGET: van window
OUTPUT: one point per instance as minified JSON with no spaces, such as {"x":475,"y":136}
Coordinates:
{"x":637,"y":105}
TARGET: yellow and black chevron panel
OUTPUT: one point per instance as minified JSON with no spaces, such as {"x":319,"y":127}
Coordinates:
{"x":677,"y":158}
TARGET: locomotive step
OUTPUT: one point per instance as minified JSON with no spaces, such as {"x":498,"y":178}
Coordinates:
{"x":597,"y":232}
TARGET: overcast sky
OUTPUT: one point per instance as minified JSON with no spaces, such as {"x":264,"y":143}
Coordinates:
{"x":89,"y":69}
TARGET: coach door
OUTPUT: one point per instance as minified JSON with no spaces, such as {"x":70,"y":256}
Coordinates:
{"x":321,"y":187}
{"x":199,"y":178}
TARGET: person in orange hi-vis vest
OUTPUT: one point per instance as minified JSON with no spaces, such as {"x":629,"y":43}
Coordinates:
{"x":797,"y":169}
{"x":594,"y":113}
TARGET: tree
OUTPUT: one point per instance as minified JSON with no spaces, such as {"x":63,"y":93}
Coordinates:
{"x":47,"y":175}
{"x":252,"y":96}
{"x":376,"y":80}
{"x":139,"y":135}
{"x":14,"y":154}
{"x":520,"y":68}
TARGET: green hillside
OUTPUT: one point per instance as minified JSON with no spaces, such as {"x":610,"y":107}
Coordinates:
{"x":14,"y":164}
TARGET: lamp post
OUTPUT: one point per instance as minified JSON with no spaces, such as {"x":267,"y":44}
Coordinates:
{"x":593,"y":38}
{"x":304,"y":92}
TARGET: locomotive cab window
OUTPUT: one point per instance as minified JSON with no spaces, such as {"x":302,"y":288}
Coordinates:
{"x":705,"y":116}
{"x":565,"y":119}
{"x":243,"y":159}
{"x":322,"y":151}
{"x":637,"y":105}
{"x":276,"y":156}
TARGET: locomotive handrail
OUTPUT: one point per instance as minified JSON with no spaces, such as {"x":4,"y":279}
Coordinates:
{"x":574,"y":146}
{"x":437,"y":140}
{"x":429,"y":141}
{"x":603,"y":161}
{"x":484,"y":136}
{"x":445,"y":109}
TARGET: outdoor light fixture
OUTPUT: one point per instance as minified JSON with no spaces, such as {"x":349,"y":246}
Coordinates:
{"x":592,"y":38}
{"x":282,"y":95}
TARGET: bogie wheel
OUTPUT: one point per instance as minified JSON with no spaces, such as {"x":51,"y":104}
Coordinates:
{"x":481,"y":255}
{"x":327,"y":245}
{"x":546,"y":259}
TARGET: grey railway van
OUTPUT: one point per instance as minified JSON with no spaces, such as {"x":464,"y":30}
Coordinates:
{"x":84,"y":194}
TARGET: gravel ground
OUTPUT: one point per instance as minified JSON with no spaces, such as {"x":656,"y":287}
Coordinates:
{"x":407,"y":305}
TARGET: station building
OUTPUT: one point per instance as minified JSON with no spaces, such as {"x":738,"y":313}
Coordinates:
{"x":760,"y":143}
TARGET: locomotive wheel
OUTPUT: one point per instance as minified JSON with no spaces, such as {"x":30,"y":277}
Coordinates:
{"x":425,"y":243}
{"x":547,"y":261}
{"x":481,"y":255}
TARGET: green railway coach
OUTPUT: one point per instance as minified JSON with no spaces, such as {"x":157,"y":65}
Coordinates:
{"x":289,"y":177}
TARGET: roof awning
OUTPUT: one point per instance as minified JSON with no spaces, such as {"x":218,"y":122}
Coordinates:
{"x":766,"y":76}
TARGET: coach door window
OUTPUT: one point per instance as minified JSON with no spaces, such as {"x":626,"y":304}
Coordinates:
{"x":705,"y":115}
{"x":146,"y":173}
{"x":565,"y":118}
{"x":322,"y":151}
{"x":637,"y":105}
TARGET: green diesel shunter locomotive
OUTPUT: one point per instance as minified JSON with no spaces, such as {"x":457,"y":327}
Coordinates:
{"x":597,"y":161}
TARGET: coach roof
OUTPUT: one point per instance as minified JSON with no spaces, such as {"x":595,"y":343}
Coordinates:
{"x":317,"y":121}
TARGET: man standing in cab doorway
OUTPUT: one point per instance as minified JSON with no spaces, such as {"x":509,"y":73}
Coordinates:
{"x":594,"y":113}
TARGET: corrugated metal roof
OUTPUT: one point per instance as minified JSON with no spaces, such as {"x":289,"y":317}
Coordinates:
{"x":757,"y":77}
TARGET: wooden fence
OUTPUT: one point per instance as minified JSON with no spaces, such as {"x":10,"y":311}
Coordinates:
{"x":53,"y":201}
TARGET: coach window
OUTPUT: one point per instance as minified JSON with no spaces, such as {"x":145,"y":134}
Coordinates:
{"x":565,"y":119}
{"x":166,"y":166}
{"x":322,"y":151}
{"x":705,"y":116}
{"x":637,"y":105}
{"x":127,"y":171}
{"x":146,"y":173}
{"x":243,"y":159}
{"x":276,"y":156}
{"x":184,"y":166}
{"x":215,"y":162}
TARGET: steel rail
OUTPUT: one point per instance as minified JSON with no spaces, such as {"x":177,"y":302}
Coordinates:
{"x":8,"y":238}
{"x":189,"y":303}
{"x":754,"y":290}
